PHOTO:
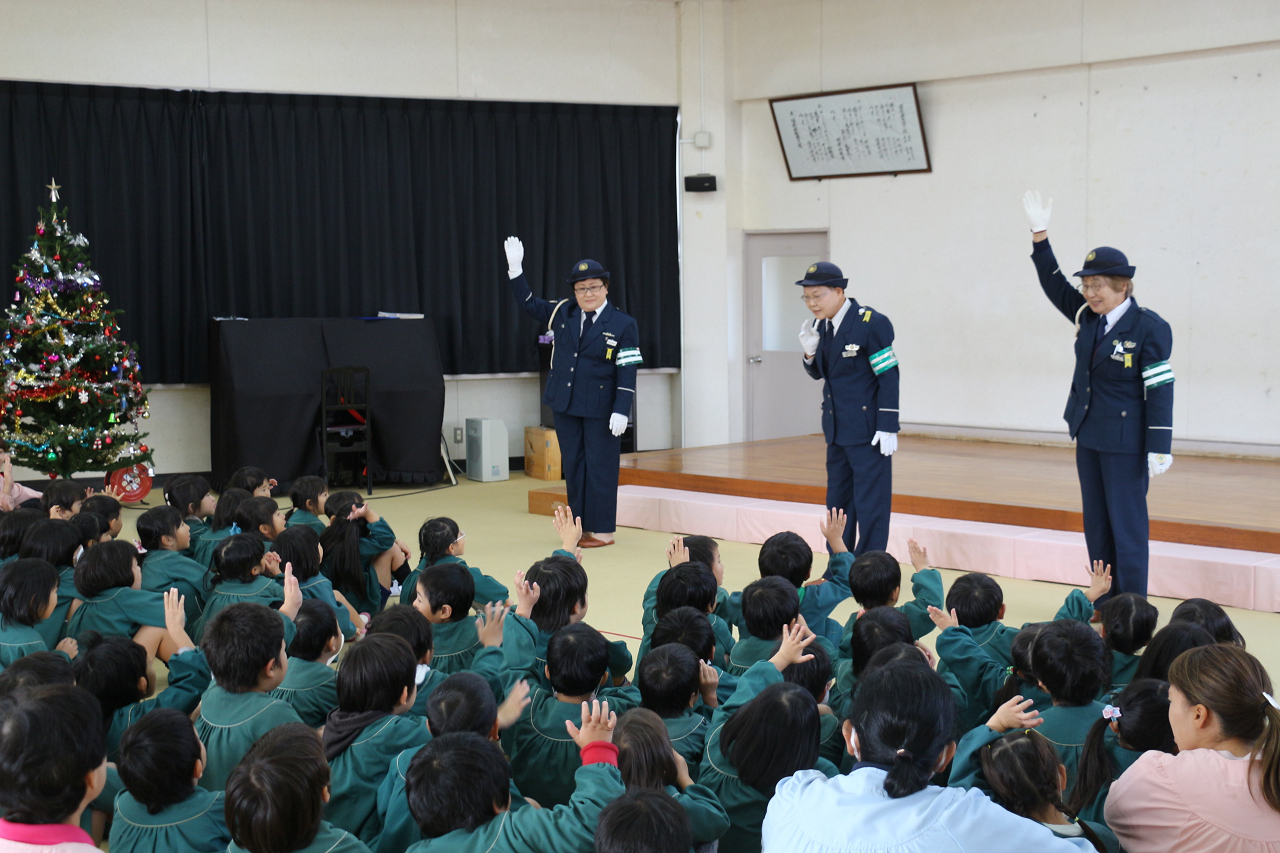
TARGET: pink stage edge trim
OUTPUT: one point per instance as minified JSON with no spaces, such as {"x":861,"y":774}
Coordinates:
{"x":47,"y":834}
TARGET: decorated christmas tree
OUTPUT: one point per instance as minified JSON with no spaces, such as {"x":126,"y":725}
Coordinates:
{"x":70,"y":397}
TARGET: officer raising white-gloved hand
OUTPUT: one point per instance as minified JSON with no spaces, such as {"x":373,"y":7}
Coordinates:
{"x":515,"y":256}
{"x":809,"y":337}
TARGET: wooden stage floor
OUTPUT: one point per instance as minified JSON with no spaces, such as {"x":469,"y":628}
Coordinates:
{"x":1201,"y":500}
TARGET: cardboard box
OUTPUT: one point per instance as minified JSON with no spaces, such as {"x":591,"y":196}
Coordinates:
{"x":541,"y":453}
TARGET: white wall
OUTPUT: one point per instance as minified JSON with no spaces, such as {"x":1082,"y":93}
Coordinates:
{"x":1150,"y":127}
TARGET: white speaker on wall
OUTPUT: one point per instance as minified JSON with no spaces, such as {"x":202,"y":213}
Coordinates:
{"x":487,"y":458}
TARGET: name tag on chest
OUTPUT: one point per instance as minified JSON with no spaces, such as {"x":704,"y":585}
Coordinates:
{"x":850,"y":351}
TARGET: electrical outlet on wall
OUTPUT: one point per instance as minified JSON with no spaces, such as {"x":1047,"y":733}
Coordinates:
{"x":457,"y":435}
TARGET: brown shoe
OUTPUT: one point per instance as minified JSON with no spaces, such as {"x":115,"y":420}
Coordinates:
{"x":589,"y":541}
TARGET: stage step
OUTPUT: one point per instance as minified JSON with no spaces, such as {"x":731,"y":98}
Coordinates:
{"x":1247,"y":579}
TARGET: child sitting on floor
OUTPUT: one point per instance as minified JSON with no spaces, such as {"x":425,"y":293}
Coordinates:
{"x":62,"y":499}
{"x":113,"y":601}
{"x":445,"y":593}
{"x":361,"y":553}
{"x":107,"y":507}
{"x":875,"y":580}
{"x":671,"y":681}
{"x":164,"y":535}
{"x":243,"y":572}
{"x":310,"y":684}
{"x":163,"y":809}
{"x":768,"y":606}
{"x":222,"y":525}
{"x":28,"y":596}
{"x":245,"y":648}
{"x":1199,"y":611}
{"x":442,"y":542}
{"x":300,"y":547}
{"x":692,"y":629}
{"x":308,"y":495}
{"x":689,"y":549}
{"x":190,"y":495}
{"x":252,"y":480}
{"x":643,"y":821}
{"x":56,"y":542}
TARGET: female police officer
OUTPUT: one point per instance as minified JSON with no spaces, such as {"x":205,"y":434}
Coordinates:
{"x":1120,"y":410}
{"x":590,"y":389}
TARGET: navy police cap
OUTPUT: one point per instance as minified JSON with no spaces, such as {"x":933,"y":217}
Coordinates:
{"x":588,"y":268}
{"x":1105,"y":260}
{"x":823,"y":274}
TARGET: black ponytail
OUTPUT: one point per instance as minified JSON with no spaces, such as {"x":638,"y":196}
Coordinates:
{"x":1143,"y":725}
{"x":1020,"y":651}
{"x":904,"y":716}
{"x":341,"y":543}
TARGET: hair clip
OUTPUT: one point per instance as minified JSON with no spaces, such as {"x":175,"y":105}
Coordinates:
{"x":1271,"y":700}
{"x":1111,"y":712}
{"x":234,"y":528}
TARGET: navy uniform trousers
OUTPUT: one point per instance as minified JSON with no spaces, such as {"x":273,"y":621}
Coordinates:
{"x":589,"y":461}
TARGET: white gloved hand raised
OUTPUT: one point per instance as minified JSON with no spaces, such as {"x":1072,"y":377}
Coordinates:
{"x":617,"y":423}
{"x":1158,"y":463}
{"x":1037,"y":213}
{"x":515,"y":256}
{"x":888,"y":442}
{"x":809,"y":337}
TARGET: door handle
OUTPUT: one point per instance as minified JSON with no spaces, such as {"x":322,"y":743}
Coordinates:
{"x":755,"y":360}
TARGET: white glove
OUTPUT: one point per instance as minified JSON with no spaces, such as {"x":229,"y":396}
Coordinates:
{"x":617,"y":423}
{"x":1158,"y":463}
{"x":888,"y":442}
{"x":809,"y":338}
{"x":515,"y":256}
{"x":1037,"y":213}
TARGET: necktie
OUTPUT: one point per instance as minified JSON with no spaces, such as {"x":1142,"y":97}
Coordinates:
{"x":1102,"y":331}
{"x":590,"y":318}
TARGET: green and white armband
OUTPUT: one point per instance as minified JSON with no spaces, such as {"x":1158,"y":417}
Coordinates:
{"x":883,"y":360}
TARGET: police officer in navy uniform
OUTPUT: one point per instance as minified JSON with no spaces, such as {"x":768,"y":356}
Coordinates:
{"x":1120,"y":411}
{"x":591,"y":387}
{"x":850,"y":348}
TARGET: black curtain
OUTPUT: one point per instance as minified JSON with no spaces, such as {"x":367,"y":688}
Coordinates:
{"x":200,"y":204}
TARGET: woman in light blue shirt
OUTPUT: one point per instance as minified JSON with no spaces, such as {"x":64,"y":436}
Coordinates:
{"x":900,"y":731}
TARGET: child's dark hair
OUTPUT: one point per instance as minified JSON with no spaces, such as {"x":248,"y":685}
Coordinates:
{"x":455,"y":781}
{"x":235,"y":558}
{"x":814,"y":674}
{"x":435,"y":536}
{"x":1200,"y":611}
{"x":316,"y":624}
{"x":578,"y":658}
{"x":894,"y":655}
{"x":185,"y":493}
{"x":874,"y":630}
{"x":91,"y":526}
{"x":239,"y":641}
{"x":786,"y":555}
{"x":563,"y":585}
{"x":49,"y":744}
{"x":375,"y":673}
{"x":768,"y":605}
{"x":52,"y":540}
{"x":874,"y":577}
{"x":25,"y":585}
{"x":300,"y":546}
{"x":1129,"y":620}
{"x":1144,"y":726}
{"x":463,"y":702}
{"x":451,"y":584}
{"x":1071,"y":661}
{"x":157,"y":523}
{"x":109,"y":668}
{"x":702,"y":549}
{"x":306,"y":491}
{"x":686,"y":585}
{"x":255,"y":514}
{"x":341,"y":542}
{"x":158,"y":755}
{"x":248,"y":478}
{"x":407,"y":624}
{"x":643,"y":821}
{"x":668,"y":677}
{"x":108,"y":566}
{"x":224,"y":512}
{"x":14,"y":526}
{"x":773,"y":736}
{"x":1165,"y":647}
{"x":35,"y":670}
{"x":104,"y":505}
{"x":645,"y":756}
{"x":1022,"y":770}
{"x":904,"y":716}
{"x":275,"y":795}
{"x":1020,"y":652}
{"x":688,"y":627}
{"x":63,"y":494}
{"x":976,"y":598}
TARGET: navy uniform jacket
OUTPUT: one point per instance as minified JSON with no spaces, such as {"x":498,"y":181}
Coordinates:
{"x":860,"y":394}
{"x":1122,"y":392}
{"x":592,"y":377}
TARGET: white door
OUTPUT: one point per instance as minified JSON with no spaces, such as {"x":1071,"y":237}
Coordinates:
{"x":781,"y":399}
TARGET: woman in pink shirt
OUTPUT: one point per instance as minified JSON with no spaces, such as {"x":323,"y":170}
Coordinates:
{"x":1221,"y":792}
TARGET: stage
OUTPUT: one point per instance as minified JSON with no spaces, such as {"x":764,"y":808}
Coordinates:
{"x":1210,"y":516}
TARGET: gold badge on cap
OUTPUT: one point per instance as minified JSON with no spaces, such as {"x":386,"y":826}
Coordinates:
{"x":1091,"y":256}
{"x":813,"y":268}
{"x":583,"y":266}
